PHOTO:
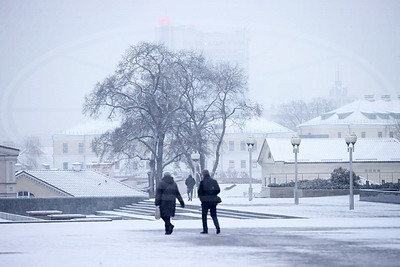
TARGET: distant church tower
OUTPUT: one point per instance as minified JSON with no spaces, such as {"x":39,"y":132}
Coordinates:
{"x":339,"y":93}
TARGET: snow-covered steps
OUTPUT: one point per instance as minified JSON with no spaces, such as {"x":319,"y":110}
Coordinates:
{"x":145,"y":210}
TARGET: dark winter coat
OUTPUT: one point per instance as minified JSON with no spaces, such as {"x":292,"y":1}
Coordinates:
{"x":208,"y":190}
{"x":166,"y":195}
{"x":190,"y":182}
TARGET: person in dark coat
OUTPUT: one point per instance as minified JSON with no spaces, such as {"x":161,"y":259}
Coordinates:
{"x":166,"y":194}
{"x":208,"y":191}
{"x":190,"y":182}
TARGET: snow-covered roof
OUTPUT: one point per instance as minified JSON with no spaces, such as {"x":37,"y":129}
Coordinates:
{"x":83,"y":183}
{"x":8,"y":151}
{"x":92,"y":127}
{"x":258,"y":125}
{"x":334,"y":150}
{"x":360,"y":112}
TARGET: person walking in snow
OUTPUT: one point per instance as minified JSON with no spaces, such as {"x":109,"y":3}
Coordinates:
{"x":208,"y":193}
{"x":166,"y":194}
{"x":190,"y":182}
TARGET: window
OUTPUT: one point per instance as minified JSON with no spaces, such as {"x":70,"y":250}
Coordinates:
{"x":25,"y":194}
{"x":65,"y":147}
{"x":339,"y":135}
{"x":269,"y":155}
{"x":254,"y":164}
{"x":380,"y":134}
{"x":81,"y":148}
{"x":243,"y":164}
{"x":342,"y":116}
{"x":65,"y":166}
{"x":231,"y":145}
{"x":255,"y":146}
{"x":363,"y":134}
{"x":93,"y":147}
{"x":242,"y":146}
{"x":232,"y":164}
{"x":391,"y":135}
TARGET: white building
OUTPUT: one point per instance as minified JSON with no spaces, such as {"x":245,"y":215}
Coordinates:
{"x":367,"y":118}
{"x":377,"y":160}
{"x":234,"y":160}
{"x":75,"y":145}
{"x":8,"y":159}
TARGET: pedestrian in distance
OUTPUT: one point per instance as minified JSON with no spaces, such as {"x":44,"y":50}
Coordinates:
{"x":166,"y":194}
{"x":190,"y":182}
{"x":208,"y":193}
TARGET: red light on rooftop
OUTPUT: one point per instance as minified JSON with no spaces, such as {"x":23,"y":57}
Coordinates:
{"x":162,"y":21}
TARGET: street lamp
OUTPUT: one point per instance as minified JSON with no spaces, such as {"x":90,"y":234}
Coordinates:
{"x":196,"y":159}
{"x":250,"y":144}
{"x":351,"y":141}
{"x":295,"y":143}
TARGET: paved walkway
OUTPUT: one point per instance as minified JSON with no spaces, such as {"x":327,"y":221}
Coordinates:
{"x":327,"y":235}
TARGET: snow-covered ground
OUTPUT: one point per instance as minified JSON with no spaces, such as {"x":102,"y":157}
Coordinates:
{"x":328,"y":233}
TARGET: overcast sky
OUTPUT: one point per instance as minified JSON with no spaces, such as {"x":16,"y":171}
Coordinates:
{"x":52,"y":52}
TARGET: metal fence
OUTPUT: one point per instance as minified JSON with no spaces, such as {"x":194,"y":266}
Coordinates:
{"x":379,"y":177}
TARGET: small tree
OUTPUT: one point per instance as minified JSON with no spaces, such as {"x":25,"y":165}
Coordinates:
{"x":341,"y":176}
{"x":31,"y":152}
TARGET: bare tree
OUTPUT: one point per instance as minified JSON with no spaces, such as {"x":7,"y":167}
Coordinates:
{"x":296,"y":112}
{"x":170,"y":104}
{"x":232,"y":104}
{"x":31,"y":152}
{"x":214,"y":95}
{"x":396,"y":127}
{"x":141,"y":94}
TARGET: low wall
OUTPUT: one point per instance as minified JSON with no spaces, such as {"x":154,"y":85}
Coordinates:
{"x":81,"y":205}
{"x":380,"y":196}
{"x":15,"y":217}
{"x":287,"y":192}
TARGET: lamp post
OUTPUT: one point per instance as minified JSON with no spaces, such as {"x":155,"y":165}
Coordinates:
{"x":351,"y":141}
{"x":196,"y":159}
{"x":250,"y":144}
{"x":295,"y":143}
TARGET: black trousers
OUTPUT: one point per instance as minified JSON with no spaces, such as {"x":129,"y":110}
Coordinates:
{"x":168,"y":224}
{"x":213,"y":212}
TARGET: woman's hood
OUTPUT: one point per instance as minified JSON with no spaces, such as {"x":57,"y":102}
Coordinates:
{"x":168,"y":179}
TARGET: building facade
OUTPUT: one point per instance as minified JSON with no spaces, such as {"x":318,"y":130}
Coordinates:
{"x":376,"y":160}
{"x":234,"y":159}
{"x":8,"y":159}
{"x":75,"y":145}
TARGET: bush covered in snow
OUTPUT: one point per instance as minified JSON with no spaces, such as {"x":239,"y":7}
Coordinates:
{"x":340,"y":179}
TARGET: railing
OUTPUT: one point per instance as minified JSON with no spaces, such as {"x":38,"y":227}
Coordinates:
{"x":379,"y":177}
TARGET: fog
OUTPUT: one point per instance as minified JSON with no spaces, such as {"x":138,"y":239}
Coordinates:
{"x":52,"y":53}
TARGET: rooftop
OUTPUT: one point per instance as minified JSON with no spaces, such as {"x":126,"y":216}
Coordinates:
{"x":362,"y":111}
{"x":82,"y":183}
{"x":94,"y":127}
{"x":258,"y":125}
{"x":335,"y":150}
